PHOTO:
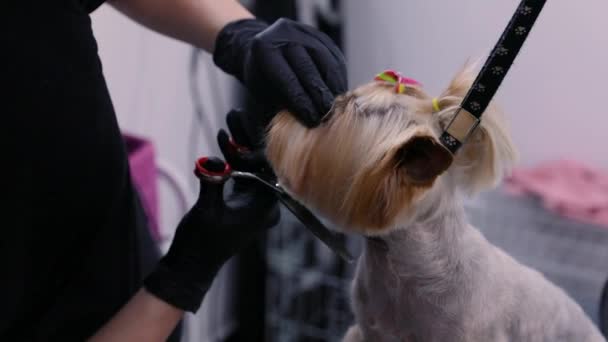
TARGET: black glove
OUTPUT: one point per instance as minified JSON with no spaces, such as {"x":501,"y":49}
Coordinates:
{"x":211,"y":232}
{"x":245,"y":150}
{"x":287,"y":65}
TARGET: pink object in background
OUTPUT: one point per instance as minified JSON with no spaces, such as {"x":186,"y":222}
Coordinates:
{"x":143,"y":173}
{"x":567,"y":187}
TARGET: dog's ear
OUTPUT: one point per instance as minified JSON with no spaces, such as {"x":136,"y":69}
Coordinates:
{"x":458,"y":87}
{"x":489,"y":151}
{"x":407,"y":167}
{"x":422,"y":158}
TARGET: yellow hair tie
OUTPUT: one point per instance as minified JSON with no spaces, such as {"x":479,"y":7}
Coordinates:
{"x":436,"y":105}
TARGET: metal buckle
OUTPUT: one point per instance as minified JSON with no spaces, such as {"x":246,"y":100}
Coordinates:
{"x":462,"y":125}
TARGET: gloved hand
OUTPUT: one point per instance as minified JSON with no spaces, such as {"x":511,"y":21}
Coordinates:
{"x":216,"y":228}
{"x":287,"y":65}
{"x":244,"y":151}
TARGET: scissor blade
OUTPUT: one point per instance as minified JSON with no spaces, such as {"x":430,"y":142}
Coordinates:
{"x":332,"y":240}
{"x":262,"y":180}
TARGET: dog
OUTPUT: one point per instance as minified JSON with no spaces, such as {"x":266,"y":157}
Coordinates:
{"x":375,"y":167}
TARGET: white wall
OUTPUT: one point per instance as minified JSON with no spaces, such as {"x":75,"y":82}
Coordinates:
{"x":147,"y":75}
{"x":554,"y":93}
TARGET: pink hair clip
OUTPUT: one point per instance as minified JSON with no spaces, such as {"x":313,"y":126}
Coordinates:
{"x":395,"y":78}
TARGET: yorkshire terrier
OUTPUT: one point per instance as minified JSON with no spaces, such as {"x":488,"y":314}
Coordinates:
{"x":375,"y":167}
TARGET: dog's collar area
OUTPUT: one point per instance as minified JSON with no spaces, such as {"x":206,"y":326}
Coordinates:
{"x":493,"y":72}
{"x":377,"y":242}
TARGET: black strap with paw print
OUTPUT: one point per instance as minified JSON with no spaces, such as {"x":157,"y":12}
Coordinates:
{"x":491,"y":75}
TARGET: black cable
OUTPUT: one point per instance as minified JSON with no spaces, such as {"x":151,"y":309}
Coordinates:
{"x":604,"y":311}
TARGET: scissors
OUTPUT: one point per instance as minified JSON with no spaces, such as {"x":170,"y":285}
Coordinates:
{"x":217,"y":170}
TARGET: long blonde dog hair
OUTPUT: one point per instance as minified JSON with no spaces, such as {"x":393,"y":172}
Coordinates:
{"x":377,"y":152}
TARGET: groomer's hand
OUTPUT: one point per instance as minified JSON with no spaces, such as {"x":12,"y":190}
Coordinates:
{"x":286,"y":65}
{"x":217,"y":227}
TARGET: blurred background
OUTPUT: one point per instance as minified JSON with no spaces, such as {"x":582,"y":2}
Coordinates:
{"x":290,"y":288}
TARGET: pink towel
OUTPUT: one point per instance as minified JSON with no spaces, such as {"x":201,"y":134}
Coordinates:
{"x":143,"y":172}
{"x":567,"y":187}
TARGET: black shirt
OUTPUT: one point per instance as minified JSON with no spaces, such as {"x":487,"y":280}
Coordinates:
{"x":74,"y":245}
{"x":91,"y":5}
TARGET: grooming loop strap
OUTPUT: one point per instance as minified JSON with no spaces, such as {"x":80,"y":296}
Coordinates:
{"x":467,"y":118}
{"x":463,"y":124}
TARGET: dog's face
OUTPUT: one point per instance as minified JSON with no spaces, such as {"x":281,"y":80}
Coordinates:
{"x":369,"y":163}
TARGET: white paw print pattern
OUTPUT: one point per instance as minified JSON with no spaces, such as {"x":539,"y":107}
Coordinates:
{"x":498,"y":70}
{"x":526,"y":10}
{"x":520,"y":30}
{"x":502,"y":51}
{"x":475,"y":106}
{"x":480,"y":88}
{"x":449,"y":140}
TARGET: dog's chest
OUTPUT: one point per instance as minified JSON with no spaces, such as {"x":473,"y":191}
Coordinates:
{"x":381,"y":297}
{"x":392,"y":300}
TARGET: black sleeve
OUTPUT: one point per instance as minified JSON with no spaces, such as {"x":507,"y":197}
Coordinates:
{"x":69,"y":241}
{"x":92,"y":5}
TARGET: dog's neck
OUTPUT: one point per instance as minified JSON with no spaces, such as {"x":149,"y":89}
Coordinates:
{"x":430,"y":247}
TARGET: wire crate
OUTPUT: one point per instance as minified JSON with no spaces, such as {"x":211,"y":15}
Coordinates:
{"x":308,"y":287}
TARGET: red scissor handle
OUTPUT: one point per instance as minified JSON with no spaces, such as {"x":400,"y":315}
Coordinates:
{"x":212,"y":167}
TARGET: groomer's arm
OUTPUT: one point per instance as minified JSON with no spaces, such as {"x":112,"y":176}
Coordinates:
{"x":303,"y":76}
{"x":208,"y":235}
{"x":212,"y":231}
{"x":193,"y":21}
{"x":144,"y":318}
